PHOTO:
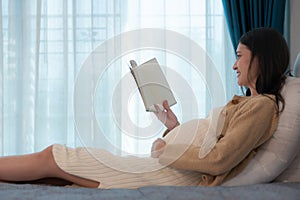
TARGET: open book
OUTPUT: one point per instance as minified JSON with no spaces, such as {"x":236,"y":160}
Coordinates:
{"x":152,"y":84}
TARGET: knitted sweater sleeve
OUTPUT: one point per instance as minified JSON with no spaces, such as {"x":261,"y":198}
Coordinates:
{"x":250,"y":126}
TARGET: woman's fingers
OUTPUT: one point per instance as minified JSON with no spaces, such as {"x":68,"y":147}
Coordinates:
{"x":166,"y":115}
{"x":157,"y":108}
{"x":166,"y":105}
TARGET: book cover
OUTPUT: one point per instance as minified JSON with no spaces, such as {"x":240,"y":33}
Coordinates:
{"x":152,"y":84}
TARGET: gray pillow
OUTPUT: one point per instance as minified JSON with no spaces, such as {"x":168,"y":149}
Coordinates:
{"x":292,"y":173}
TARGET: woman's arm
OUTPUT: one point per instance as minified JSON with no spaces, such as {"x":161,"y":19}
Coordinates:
{"x":169,"y":119}
{"x":249,"y":127}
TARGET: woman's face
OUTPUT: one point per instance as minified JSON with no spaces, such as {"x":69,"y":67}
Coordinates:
{"x":241,"y":66}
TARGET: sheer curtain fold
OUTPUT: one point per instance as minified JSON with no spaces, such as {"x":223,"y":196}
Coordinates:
{"x":36,"y":64}
{"x":1,"y":83}
{"x":45,"y":43}
{"x":20,"y":75}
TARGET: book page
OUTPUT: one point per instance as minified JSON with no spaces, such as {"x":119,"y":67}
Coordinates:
{"x":153,"y":85}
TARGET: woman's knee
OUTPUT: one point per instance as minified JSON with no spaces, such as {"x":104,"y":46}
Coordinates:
{"x":47,"y":158}
{"x":46,"y":154}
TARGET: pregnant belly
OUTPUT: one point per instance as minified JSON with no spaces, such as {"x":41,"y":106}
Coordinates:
{"x":191,"y":132}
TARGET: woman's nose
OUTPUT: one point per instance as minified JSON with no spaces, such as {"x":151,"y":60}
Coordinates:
{"x":234,"y":67}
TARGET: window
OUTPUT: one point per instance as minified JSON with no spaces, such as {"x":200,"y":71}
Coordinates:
{"x":46,"y":43}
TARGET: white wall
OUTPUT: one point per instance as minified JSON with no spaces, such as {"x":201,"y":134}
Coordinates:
{"x":294,"y":30}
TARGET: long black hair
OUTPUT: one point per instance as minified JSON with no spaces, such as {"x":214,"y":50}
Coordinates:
{"x":272,"y":53}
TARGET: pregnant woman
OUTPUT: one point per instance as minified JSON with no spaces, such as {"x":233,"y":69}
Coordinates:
{"x":200,"y":152}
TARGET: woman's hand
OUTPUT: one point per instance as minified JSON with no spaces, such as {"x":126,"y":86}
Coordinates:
{"x":157,"y":148}
{"x":166,"y":116}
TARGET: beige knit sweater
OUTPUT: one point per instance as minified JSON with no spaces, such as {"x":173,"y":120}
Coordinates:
{"x":249,"y":122}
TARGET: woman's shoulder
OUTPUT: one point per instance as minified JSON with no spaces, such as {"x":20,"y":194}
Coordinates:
{"x":258,"y":98}
{"x":265,"y":101}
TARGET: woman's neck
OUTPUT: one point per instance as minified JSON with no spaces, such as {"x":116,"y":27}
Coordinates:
{"x":253,"y":92}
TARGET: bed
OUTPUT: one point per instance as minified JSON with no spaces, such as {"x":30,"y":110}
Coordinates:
{"x":272,"y":191}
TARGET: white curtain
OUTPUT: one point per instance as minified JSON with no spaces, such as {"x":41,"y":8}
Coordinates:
{"x":46,"y":43}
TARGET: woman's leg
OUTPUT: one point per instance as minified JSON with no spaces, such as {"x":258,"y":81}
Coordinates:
{"x":37,"y":166}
